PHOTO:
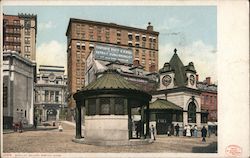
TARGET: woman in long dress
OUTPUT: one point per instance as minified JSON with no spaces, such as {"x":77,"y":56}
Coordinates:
{"x":188,"y":132}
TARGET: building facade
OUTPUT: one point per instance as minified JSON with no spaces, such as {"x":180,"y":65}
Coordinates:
{"x":18,"y":89}
{"x":19,"y":34}
{"x":178,"y":87}
{"x":209,"y":98}
{"x":83,"y":35}
{"x":51,"y":92}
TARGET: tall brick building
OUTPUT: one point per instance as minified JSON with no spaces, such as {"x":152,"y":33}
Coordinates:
{"x":19,"y":34}
{"x":83,"y":35}
{"x":209,"y":98}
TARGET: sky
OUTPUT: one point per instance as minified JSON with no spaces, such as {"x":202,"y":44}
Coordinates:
{"x":192,"y":30}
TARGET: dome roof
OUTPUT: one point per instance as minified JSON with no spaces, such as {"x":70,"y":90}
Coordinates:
{"x":110,"y":79}
{"x":112,"y":83}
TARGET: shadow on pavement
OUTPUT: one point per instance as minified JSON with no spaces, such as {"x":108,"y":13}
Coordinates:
{"x":211,"y":148}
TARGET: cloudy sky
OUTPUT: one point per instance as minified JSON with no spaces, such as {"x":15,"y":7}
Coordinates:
{"x":190,"y":29}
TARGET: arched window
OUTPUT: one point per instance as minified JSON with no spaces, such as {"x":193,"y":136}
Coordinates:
{"x":191,"y":112}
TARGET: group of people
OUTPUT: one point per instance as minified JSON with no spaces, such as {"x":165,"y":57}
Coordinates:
{"x":190,"y":131}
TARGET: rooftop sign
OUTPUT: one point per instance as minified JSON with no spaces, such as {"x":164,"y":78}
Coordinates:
{"x":113,"y":53}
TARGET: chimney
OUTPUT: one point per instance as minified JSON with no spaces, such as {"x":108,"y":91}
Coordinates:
{"x":208,"y":80}
{"x":152,"y":68}
{"x":197,"y":78}
{"x":136,"y":63}
{"x":150,"y":27}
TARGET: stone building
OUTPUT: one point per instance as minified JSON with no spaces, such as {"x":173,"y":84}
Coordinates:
{"x":51,"y":92}
{"x":18,"y":89}
{"x":19,"y":34}
{"x":178,"y":87}
{"x":83,"y":35}
{"x":108,"y":103}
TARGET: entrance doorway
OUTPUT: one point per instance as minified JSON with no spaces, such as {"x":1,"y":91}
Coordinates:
{"x":163,"y":123}
{"x":51,"y":114}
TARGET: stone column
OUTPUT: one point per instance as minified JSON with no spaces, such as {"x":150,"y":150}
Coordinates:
{"x":142,"y":122}
{"x":78,"y":120}
{"x":198,"y":119}
{"x":185,"y":118}
{"x":129,"y":119}
{"x":147,"y":121}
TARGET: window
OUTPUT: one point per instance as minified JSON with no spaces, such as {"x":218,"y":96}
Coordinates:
{"x":137,"y":53}
{"x":78,"y":55}
{"x":105,"y":106}
{"x":57,"y":97}
{"x":46,"y":96}
{"x":78,"y":45}
{"x":27,"y":40}
{"x":143,"y":44}
{"x":5,"y":96}
{"x":119,"y":106}
{"x":52,"y":94}
{"x":27,"y":48}
{"x":137,"y":37}
{"x":130,"y":37}
{"x":130,"y":44}
{"x":27,"y":31}
{"x":83,"y":35}
{"x":191,"y":113}
{"x":78,"y":81}
{"x":27,"y":23}
{"x":91,"y":106}
{"x":137,"y":45}
{"x":144,"y":37}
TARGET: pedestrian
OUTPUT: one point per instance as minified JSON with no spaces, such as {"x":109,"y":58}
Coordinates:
{"x":152,"y":132}
{"x":185,"y":130}
{"x":203,"y":134}
{"x":172,"y":129}
{"x":20,"y":127}
{"x":177,"y":127}
{"x":35,"y":122}
{"x":195,"y":131}
{"x":188,"y":132}
{"x":168,"y":131}
{"x":60,"y":128}
{"x":138,"y":130}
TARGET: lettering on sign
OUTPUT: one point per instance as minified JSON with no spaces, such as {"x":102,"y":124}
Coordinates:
{"x":113,"y":53}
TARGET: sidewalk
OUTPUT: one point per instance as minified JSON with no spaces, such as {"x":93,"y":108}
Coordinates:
{"x":71,"y":123}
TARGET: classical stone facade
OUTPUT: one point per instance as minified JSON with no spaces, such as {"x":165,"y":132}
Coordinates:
{"x":51,"y":92}
{"x":18,"y":89}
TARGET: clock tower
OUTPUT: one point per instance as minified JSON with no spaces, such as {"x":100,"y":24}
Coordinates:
{"x":178,"y":86}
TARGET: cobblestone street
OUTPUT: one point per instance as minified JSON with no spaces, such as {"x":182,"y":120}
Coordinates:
{"x":50,"y":140}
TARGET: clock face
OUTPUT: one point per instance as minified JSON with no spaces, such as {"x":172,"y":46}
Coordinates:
{"x":192,"y":79}
{"x":166,"y":80}
{"x":52,"y":77}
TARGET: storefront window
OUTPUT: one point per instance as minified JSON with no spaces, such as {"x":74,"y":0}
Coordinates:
{"x":105,"y":106}
{"x":91,"y":106}
{"x":119,"y":106}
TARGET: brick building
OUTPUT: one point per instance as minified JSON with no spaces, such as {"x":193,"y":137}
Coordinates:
{"x":83,"y":35}
{"x":19,"y":34}
{"x":209,"y":98}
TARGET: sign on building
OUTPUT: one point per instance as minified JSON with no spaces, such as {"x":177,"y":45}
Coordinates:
{"x":113,"y":53}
